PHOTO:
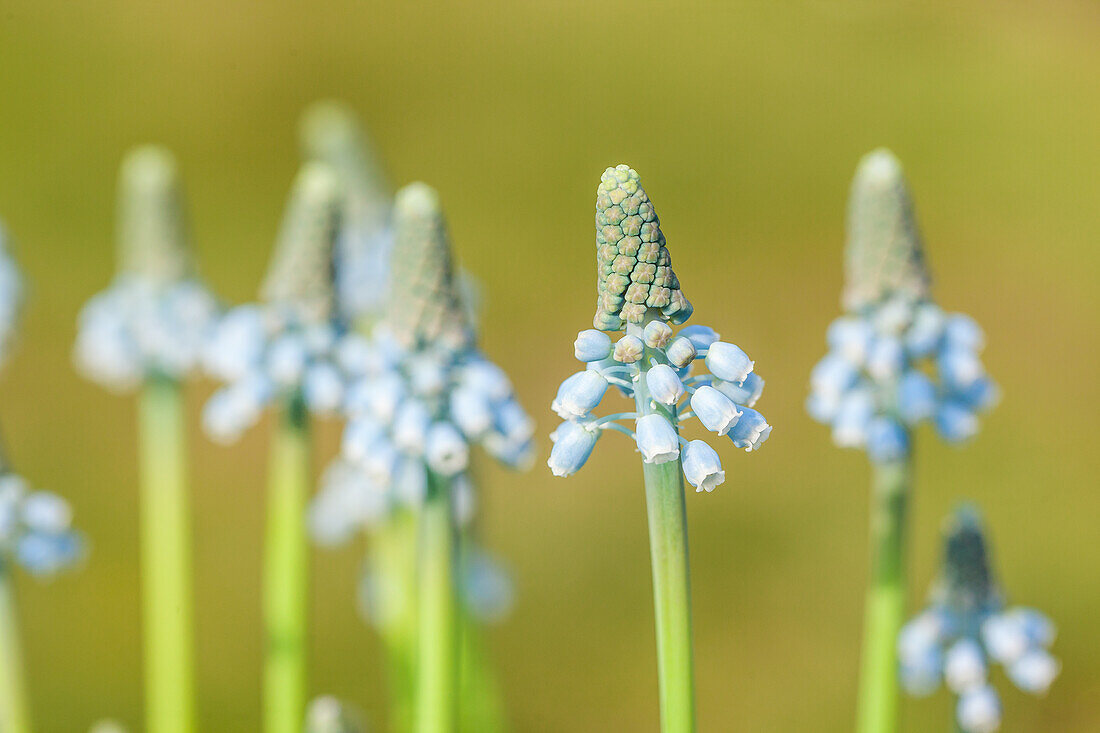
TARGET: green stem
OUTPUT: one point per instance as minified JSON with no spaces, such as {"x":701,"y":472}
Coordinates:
{"x":482,"y":709}
{"x":14,"y":708}
{"x":166,"y":560}
{"x":285,"y":572}
{"x":393,"y":559}
{"x":885,"y":606}
{"x":668,"y":548}
{"x":437,"y":666}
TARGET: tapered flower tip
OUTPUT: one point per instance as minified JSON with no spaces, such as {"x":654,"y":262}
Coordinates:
{"x":884,"y":255}
{"x":152,"y":233}
{"x":424,"y":304}
{"x":966,"y":583}
{"x":330,"y":132}
{"x":300,"y":274}
{"x":634,"y":268}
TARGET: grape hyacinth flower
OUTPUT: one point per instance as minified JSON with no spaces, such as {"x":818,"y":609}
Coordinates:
{"x":967,"y":627}
{"x":895,"y":360}
{"x":284,"y":352}
{"x":640,"y":294}
{"x":422,"y":396}
{"x":146,"y":331}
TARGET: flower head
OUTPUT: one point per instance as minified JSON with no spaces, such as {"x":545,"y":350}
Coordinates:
{"x":651,"y":364}
{"x":419,"y":393}
{"x":896,"y":359}
{"x":292,"y":344}
{"x":155,"y":316}
{"x":967,"y":628}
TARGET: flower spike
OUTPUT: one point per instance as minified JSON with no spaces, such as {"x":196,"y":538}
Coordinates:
{"x":633,"y":264}
{"x":884,"y":255}
{"x":967,"y":627}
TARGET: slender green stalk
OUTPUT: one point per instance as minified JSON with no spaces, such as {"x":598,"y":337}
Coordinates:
{"x":668,"y":549}
{"x":885,"y":608}
{"x":166,"y":560}
{"x":14,"y":707}
{"x":482,"y":709}
{"x":437,"y":665}
{"x":393,"y":559}
{"x":285,"y":573}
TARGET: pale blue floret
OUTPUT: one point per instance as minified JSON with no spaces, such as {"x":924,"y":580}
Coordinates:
{"x":11,"y":296}
{"x":924,"y":336}
{"x":887,"y":440}
{"x":751,"y":430}
{"x":1034,"y":671}
{"x":579,"y":395}
{"x":446,"y":452}
{"x":657,"y":439}
{"x":885,"y":359}
{"x":664,"y":384}
{"x":472,"y":411}
{"x":410,"y":426}
{"x":716,"y":411}
{"x":728,"y":362}
{"x":701,"y":336}
{"x":964,"y":666}
{"x":955,"y":422}
{"x":702,"y":467}
{"x":573,"y":444}
{"x":853,"y":416}
{"x":592,"y":345}
{"x":916,"y":397}
{"x":979,"y":710}
{"x":746,"y":393}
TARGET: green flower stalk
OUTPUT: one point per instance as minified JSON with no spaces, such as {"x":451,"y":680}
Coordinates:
{"x":639,"y":293}
{"x":147,"y":331}
{"x":299,"y":287}
{"x":876,"y":385}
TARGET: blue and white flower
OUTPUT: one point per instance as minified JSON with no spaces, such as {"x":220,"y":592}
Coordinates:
{"x":884,"y":376}
{"x":967,"y":628}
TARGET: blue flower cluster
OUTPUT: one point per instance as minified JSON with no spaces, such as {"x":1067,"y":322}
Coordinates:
{"x":269,"y":352}
{"x":36,"y":527}
{"x":11,"y":296}
{"x":895,"y":365}
{"x":940,"y":645}
{"x":411,"y":411}
{"x":139,"y":328}
{"x":658,"y":363}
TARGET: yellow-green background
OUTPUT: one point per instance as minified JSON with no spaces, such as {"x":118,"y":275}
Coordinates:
{"x":745,"y":121}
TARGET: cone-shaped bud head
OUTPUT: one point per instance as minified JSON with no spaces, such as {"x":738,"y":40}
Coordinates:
{"x":635,"y":276}
{"x":152,"y":233}
{"x":424,"y":304}
{"x":300,"y":273}
{"x":331,"y":133}
{"x":884,"y":255}
{"x":966,"y":584}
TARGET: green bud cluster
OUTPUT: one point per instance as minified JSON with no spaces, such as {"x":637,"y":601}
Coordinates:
{"x":633,"y":264}
{"x":966,"y":584}
{"x":424,"y":305}
{"x":152,"y":233}
{"x":884,"y":254}
{"x":301,"y":269}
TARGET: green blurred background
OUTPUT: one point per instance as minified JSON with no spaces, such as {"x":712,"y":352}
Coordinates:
{"x":745,"y":121}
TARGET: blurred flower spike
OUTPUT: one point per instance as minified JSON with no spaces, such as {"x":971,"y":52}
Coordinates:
{"x":967,"y":627}
{"x":156,"y":315}
{"x":292,"y":344}
{"x":895,"y":359}
{"x":421,"y":393}
{"x":639,"y":293}
{"x":11,"y":296}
